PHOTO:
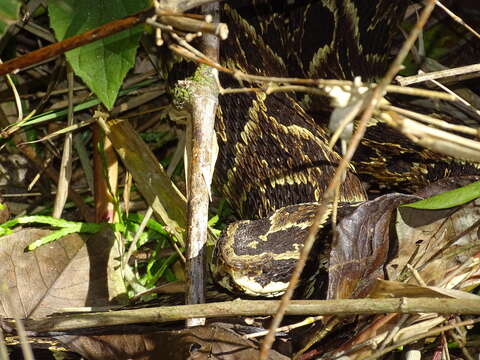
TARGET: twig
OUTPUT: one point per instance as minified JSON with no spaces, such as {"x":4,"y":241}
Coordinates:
{"x":18,"y":102}
{"x":194,"y":25}
{"x":391,"y":334}
{"x":461,"y":344}
{"x":65,"y":174}
{"x":203,"y":102}
{"x":431,"y":120}
{"x":459,"y":98}
{"x":133,"y":245}
{"x":50,"y":51}
{"x":322,"y":212}
{"x":182,"y":5}
{"x":9,"y":306}
{"x":307,"y":321}
{"x":405,"y":81}
{"x":179,"y":50}
{"x":457,"y":19}
{"x":323,"y":83}
{"x":435,"y":139}
{"x":342,"y":307}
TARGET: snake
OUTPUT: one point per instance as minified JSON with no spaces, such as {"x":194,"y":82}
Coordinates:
{"x":274,"y":163}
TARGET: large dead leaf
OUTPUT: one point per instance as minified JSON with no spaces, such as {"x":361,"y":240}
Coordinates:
{"x":436,"y":243}
{"x":363,"y":242}
{"x":70,"y":272}
{"x":205,"y":342}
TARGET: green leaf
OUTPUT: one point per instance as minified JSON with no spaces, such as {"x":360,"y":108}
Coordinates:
{"x":449,"y":199}
{"x":103,"y":64}
{"x":8,"y":14}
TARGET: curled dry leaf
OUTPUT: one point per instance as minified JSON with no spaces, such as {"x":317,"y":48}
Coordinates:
{"x":361,"y":251}
{"x":430,"y":240}
{"x":71,"y":272}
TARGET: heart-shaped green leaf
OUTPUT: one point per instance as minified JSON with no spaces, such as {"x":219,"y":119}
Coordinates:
{"x":103,"y":64}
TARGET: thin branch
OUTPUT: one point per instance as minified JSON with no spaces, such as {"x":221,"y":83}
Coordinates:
{"x":459,"y":98}
{"x":341,"y":307}
{"x":409,"y":80}
{"x":432,"y":121}
{"x":457,"y":19}
{"x":51,"y":51}
{"x":65,"y":173}
{"x":193,"y":25}
{"x":183,"y":5}
{"x":8,"y":303}
{"x":16,"y":95}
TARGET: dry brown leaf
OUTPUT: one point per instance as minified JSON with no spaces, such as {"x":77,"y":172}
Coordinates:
{"x":431,"y":242}
{"x":363,"y":244}
{"x":203,"y":342}
{"x":70,"y":272}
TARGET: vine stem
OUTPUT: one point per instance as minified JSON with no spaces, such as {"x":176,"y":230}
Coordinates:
{"x":322,"y":213}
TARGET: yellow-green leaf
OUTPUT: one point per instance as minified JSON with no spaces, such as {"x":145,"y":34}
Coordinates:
{"x":449,"y":199}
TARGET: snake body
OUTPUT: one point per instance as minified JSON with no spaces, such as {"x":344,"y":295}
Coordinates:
{"x":273,"y":162}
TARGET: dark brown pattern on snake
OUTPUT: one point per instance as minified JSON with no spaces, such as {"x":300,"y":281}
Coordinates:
{"x":273,"y":148}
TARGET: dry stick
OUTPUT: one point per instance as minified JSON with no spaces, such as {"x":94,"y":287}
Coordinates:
{"x":65,"y":174}
{"x":8,"y":303}
{"x":192,"y":55}
{"x":322,"y":83}
{"x":183,"y":52}
{"x":409,"y":80}
{"x":164,"y":314}
{"x":16,"y":96}
{"x":442,"y":124}
{"x":183,"y":5}
{"x":73,"y":42}
{"x":458,"y":19}
{"x":459,"y":98}
{"x":307,"y":321}
{"x":204,"y":101}
{"x":194,"y":25}
{"x":342,"y":167}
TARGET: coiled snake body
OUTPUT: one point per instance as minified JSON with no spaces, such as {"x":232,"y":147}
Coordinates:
{"x":273,"y":162}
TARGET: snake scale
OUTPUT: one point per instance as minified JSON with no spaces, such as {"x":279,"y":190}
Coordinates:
{"x":273,"y":161}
